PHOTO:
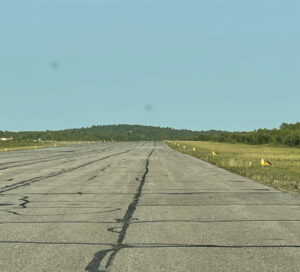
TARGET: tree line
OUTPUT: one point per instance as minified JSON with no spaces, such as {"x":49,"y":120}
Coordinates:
{"x":286,"y":134}
{"x":110,"y":133}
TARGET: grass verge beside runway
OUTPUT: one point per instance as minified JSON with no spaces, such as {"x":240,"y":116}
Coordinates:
{"x":24,"y":145}
{"x":283,"y":174}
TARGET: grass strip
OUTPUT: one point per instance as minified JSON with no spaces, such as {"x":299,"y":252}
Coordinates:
{"x":26,"y":145}
{"x":243,"y":159}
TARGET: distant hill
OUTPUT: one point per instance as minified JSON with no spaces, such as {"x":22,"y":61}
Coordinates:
{"x":113,"y":133}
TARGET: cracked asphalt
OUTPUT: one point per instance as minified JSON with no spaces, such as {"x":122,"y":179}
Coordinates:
{"x":139,"y":206}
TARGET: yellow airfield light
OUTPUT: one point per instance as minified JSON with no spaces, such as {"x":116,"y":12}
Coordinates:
{"x":264,"y":163}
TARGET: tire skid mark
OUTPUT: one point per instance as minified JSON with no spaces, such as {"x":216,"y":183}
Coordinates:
{"x":37,"y":160}
{"x":101,"y":170}
{"x":106,"y":167}
{"x":47,"y":153}
{"x":52,"y":158}
{"x":57,"y":214}
{"x":46,"y":157}
{"x":54,"y":174}
{"x":12,"y":212}
{"x":53,"y":243}
{"x":95,"y":264}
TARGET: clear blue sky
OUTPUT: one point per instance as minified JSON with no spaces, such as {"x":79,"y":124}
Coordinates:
{"x":214,"y":64}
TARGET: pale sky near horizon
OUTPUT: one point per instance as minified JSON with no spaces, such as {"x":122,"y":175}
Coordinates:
{"x":214,"y":64}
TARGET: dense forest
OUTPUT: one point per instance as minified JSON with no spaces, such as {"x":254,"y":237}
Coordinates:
{"x":287,"y":134}
{"x":111,"y":133}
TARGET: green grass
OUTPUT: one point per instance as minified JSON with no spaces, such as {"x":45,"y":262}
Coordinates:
{"x":283,"y":174}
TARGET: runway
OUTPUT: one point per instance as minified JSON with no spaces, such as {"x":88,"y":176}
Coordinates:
{"x":139,"y":206}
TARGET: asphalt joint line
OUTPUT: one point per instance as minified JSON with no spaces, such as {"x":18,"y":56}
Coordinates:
{"x":96,"y":264}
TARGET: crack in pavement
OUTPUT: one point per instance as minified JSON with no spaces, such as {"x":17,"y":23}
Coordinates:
{"x":99,"y":256}
{"x":25,"y":201}
{"x":113,"y":229}
{"x":22,"y":205}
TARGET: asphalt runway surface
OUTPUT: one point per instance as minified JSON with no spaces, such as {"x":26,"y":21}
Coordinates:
{"x":139,"y":206}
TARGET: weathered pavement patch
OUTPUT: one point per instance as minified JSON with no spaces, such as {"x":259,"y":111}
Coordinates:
{"x":139,"y":207}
